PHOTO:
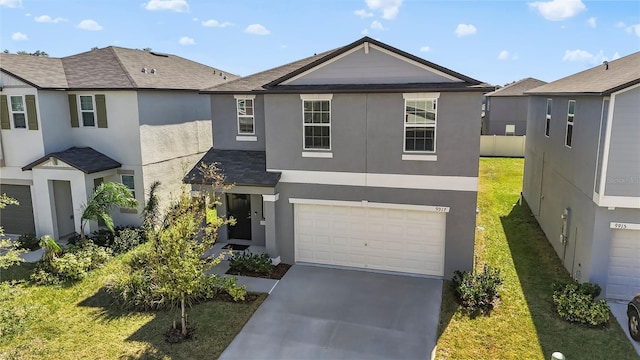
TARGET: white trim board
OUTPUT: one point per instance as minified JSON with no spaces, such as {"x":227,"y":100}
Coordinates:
{"x":630,"y":202}
{"x":397,"y":181}
{"x":365,"y":203}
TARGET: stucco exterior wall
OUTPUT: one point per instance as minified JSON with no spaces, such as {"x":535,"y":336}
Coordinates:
{"x":225,"y":124}
{"x":505,"y":110}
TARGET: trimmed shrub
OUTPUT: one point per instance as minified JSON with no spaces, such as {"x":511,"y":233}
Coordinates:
{"x":29,"y":242}
{"x":576,"y":303}
{"x":245,"y":262}
{"x":73,"y":265}
{"x":477,"y":291}
{"x":127,"y":239}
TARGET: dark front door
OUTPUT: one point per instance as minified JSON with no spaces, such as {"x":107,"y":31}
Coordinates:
{"x":239,"y":207}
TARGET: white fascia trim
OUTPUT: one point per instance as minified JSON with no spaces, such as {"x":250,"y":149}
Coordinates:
{"x":316,"y":96}
{"x":629,"y":202}
{"x":418,"y":157}
{"x":418,"y":96}
{"x":623,"y":226}
{"x":310,"y":154}
{"x":246,"y":138}
{"x":270,"y":198}
{"x":397,"y":181}
{"x":365,"y":203}
{"x":244,"y":97}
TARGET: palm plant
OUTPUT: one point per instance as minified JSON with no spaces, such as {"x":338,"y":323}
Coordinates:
{"x":51,"y":248}
{"x":106,"y":197}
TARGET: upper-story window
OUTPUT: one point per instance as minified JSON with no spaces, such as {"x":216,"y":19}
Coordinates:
{"x":87,"y":110}
{"x":547,"y":123}
{"x":316,"y":121}
{"x":571,"y":111}
{"x":246,"y":122}
{"x":18,"y":112}
{"x":420,"y":119}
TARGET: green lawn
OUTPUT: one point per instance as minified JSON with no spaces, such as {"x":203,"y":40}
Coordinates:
{"x":525,"y":325}
{"x":78,"y":322}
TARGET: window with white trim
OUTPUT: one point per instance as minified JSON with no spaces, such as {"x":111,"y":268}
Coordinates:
{"x":87,"y":110}
{"x":571,"y":112}
{"x":547,"y":123}
{"x":420,"y":119}
{"x":129,"y":182}
{"x":246,"y":121}
{"x":316,"y":119}
{"x":18,"y":112}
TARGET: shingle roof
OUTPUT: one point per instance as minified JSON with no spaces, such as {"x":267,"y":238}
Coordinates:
{"x":622,"y":73}
{"x":84,"y":159}
{"x":240,"y":167}
{"x":270,"y":80}
{"x":517,"y":88}
{"x":113,"y":68}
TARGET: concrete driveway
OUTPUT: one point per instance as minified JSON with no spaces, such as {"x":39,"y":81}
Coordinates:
{"x":323,"y":313}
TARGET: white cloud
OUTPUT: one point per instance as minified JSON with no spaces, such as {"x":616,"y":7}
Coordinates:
{"x":185,"y":40}
{"x":592,"y":22}
{"x":172,"y":5}
{"x":365,"y":31}
{"x":555,"y":10}
{"x":634,"y":29}
{"x":377,"y":25}
{"x":621,"y":24}
{"x":257,"y":29}
{"x":11,"y":3}
{"x":27,"y":14}
{"x":465,"y":29}
{"x":48,"y":19}
{"x":425,"y":49}
{"x":363,"y":13}
{"x":389,"y":8}
{"x":503,"y":55}
{"x":195,"y":19}
{"x":18,"y":36}
{"x":584,"y":56}
{"x":90,"y":25}
{"x":215,"y":23}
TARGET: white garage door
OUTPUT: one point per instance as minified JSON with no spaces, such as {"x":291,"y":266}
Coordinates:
{"x":410,"y":241}
{"x":623,"y":279}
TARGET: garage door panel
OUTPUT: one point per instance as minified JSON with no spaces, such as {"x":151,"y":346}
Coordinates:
{"x":371,"y":237}
{"x":623,"y":278}
{"x":17,"y":219}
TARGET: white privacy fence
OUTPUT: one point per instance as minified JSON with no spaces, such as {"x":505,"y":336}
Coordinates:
{"x":499,"y":145}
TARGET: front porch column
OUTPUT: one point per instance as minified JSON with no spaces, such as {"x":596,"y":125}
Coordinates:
{"x":269,"y":202}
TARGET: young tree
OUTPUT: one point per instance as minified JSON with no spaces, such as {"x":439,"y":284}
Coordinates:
{"x":9,"y":252}
{"x":106,"y":197}
{"x":151,"y":212}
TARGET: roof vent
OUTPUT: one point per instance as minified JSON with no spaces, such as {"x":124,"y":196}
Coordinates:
{"x":144,"y":70}
{"x":154,"y":71}
{"x":606,"y":64}
{"x":225,"y":78}
{"x":214,"y":72}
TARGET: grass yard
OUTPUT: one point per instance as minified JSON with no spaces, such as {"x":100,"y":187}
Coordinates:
{"x":78,"y":322}
{"x":525,"y":325}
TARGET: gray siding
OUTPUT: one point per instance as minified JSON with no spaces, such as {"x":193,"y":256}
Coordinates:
{"x":460,"y":228}
{"x":623,"y":170}
{"x":225,"y":124}
{"x":172,"y":107}
{"x":367,"y":135}
{"x":56,"y":128}
{"x":505,"y":110}
{"x":375,"y":67}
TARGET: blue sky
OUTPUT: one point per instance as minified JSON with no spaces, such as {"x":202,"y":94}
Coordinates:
{"x":492,"y":41}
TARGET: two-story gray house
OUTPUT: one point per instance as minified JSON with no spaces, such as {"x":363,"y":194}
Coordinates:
{"x":111,"y":114}
{"x":506,"y":109}
{"x":364,"y":156}
{"x":582,"y":172}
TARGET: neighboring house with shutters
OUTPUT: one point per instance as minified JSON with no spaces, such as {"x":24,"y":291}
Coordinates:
{"x":112,"y":114}
{"x":506,"y":108}
{"x":582,"y":172}
{"x":364,"y":156}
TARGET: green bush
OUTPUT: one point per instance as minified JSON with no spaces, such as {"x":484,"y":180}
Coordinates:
{"x":126,"y":240}
{"x":576,"y":303}
{"x":477,"y":291}
{"x":29,"y":242}
{"x":72,"y":265}
{"x":245,"y":262}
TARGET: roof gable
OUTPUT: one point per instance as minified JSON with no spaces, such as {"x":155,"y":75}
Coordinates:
{"x":368,"y":63}
{"x":37,"y":71}
{"x":84,"y":159}
{"x":517,"y":88}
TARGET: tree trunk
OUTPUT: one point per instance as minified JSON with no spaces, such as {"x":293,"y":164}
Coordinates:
{"x":82,"y":225}
{"x":184,"y":316}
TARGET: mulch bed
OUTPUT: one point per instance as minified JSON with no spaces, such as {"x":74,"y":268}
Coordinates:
{"x":277,"y":273}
